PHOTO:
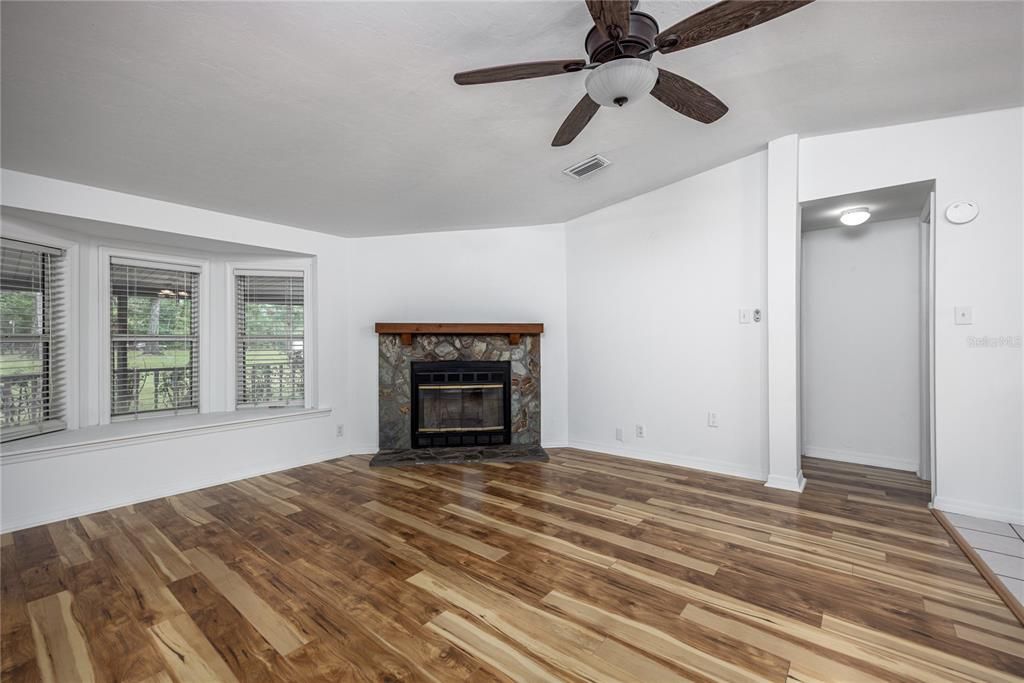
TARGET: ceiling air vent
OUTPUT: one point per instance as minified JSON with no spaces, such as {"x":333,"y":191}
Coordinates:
{"x":587,"y":166}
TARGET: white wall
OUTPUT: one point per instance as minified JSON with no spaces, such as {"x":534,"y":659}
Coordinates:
{"x":655,"y":284}
{"x":75,"y":483}
{"x":640,"y":302}
{"x":979,"y":448}
{"x":502,"y":275}
{"x":861,"y":321}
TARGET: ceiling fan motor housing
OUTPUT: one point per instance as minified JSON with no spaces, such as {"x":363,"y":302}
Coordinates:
{"x":642,"y":30}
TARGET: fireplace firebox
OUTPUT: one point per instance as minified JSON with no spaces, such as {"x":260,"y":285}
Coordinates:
{"x":461,"y":403}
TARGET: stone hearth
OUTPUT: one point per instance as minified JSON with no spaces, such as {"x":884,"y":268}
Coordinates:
{"x":394,"y":381}
{"x":459,"y":456}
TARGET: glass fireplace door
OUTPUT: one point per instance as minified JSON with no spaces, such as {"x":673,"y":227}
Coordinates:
{"x":461,"y":408}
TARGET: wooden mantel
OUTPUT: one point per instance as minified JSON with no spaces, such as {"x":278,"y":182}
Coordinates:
{"x":515,"y":331}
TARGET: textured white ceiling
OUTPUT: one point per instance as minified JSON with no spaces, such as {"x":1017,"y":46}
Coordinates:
{"x":343,"y":117}
{"x":135,"y":235}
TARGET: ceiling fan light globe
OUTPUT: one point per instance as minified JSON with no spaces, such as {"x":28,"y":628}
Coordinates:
{"x":621,"y":81}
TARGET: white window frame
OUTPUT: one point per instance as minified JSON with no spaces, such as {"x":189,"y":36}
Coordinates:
{"x":156,"y":260}
{"x":309,"y":345}
{"x":72,"y":384}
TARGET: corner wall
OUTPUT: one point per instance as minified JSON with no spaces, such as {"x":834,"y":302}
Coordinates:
{"x":681,"y":260}
{"x":502,"y":275}
{"x":88,"y":480}
{"x":978,"y":389}
{"x":498,"y":275}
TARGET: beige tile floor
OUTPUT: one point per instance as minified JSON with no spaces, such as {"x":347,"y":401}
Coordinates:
{"x":999,"y":544}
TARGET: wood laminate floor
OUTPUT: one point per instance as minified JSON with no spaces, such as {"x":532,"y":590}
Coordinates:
{"x":587,"y":568}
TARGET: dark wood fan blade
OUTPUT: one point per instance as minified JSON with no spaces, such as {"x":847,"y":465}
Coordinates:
{"x":518,"y":72}
{"x":576,"y":121}
{"x":611,"y":17}
{"x":723,"y":19}
{"x":688,"y":98}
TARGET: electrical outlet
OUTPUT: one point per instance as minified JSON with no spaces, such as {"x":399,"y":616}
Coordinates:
{"x":641,"y":431}
{"x":341,"y":430}
{"x":712,"y":419}
{"x":618,"y":434}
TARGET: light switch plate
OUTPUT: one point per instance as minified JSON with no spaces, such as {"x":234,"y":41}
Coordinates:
{"x":963,"y":315}
{"x":746,"y":315}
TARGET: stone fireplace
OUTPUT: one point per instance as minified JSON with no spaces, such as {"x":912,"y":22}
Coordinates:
{"x":443,"y":385}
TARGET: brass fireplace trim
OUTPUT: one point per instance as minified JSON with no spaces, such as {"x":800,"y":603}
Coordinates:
{"x":461,"y":386}
{"x":439,"y":430}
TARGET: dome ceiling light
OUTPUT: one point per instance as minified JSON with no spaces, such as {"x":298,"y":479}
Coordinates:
{"x":620,"y":82}
{"x":856,"y":216}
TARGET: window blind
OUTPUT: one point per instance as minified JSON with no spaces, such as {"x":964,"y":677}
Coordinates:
{"x":31,"y":339}
{"x":154,"y":338}
{"x":269,"y":338}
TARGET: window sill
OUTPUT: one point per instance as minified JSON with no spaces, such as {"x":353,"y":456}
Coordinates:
{"x":144,"y":430}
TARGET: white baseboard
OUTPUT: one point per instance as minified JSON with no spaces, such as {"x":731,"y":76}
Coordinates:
{"x":777,"y":481}
{"x":858,"y":458}
{"x":18,"y":524}
{"x":371,"y":449}
{"x":155,"y":493}
{"x":705,"y":464}
{"x":362,"y":449}
{"x":966,"y":507}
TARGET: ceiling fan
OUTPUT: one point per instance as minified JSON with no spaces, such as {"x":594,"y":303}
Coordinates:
{"x":620,"y":47}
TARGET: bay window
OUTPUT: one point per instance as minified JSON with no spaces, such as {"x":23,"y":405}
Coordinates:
{"x":32,"y":354}
{"x":154,"y":338}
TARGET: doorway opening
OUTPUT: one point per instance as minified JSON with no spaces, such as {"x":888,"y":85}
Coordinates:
{"x":867,"y":334}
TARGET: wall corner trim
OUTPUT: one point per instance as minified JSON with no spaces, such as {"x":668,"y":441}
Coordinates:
{"x":796,"y":483}
{"x":782,"y":297}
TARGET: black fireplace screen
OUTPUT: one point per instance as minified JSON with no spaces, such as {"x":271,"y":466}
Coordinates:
{"x":460,"y":403}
